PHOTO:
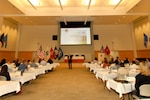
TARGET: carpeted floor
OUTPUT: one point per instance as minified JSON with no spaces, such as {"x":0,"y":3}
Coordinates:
{"x":65,"y":84}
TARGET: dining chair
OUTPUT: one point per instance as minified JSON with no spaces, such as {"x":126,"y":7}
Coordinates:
{"x":144,"y":92}
{"x":122,"y":73}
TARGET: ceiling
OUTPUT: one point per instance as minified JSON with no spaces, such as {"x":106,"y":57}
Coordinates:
{"x":50,"y":12}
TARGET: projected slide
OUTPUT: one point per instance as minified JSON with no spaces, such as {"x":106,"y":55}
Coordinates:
{"x":75,"y":36}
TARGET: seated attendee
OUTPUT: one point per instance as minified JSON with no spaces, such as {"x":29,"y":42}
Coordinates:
{"x":111,"y":60}
{"x":23,"y":66}
{"x":117,"y":62}
{"x":105,"y":63}
{"x":28,"y":62}
{"x":33,"y":64}
{"x":4,"y":72}
{"x":10,"y":67}
{"x":50,"y":61}
{"x":3,"y":61}
{"x":39,"y":60}
{"x":136,"y":61}
{"x":126,"y":61}
{"x":43,"y":62}
{"x":95,"y":60}
{"x":142,"y":78}
{"x":134,"y":66}
{"x":17,"y":62}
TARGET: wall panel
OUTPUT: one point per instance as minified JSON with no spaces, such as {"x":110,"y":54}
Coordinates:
{"x":8,"y":55}
{"x":143,"y":53}
{"x":26,"y":55}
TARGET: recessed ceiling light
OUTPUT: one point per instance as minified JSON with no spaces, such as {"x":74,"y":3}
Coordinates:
{"x":86,"y":2}
{"x":114,"y":2}
{"x":35,"y":2}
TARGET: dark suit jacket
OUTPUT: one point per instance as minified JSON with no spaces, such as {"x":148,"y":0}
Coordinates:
{"x":70,"y":58}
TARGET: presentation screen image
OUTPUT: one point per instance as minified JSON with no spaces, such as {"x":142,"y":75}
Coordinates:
{"x":75,"y":36}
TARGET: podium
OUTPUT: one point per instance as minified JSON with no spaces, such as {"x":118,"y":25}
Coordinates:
{"x":77,"y":59}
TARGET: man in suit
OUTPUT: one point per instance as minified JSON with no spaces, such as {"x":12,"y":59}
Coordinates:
{"x":70,"y":61}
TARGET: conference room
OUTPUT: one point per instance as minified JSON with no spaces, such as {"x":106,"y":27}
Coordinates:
{"x":86,"y":29}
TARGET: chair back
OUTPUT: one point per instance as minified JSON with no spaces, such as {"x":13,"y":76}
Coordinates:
{"x":145,"y":90}
{"x":122,"y":73}
{"x":2,"y":78}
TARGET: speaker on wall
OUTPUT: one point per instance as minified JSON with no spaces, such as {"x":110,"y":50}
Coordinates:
{"x":96,"y":37}
{"x":54,"y":37}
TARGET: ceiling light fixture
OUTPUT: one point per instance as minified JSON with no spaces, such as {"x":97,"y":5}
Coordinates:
{"x":89,"y":4}
{"x":118,"y":4}
{"x":31,"y":2}
{"x":35,"y":2}
{"x":60,"y":3}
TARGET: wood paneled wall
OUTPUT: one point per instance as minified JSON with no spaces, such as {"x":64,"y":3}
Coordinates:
{"x":130,"y":54}
{"x":8,"y":55}
{"x":122,"y":54}
{"x":143,"y":53}
{"x":27,"y":55}
{"x":127,"y":53}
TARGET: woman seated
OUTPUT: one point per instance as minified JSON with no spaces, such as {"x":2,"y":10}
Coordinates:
{"x":105,"y":63}
{"x":4,"y":72}
{"x":143,"y":77}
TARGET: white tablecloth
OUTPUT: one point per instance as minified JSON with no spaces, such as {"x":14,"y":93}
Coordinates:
{"x":15,"y":76}
{"x":37,"y":71}
{"x":106,"y":75}
{"x":8,"y":87}
{"x":121,"y":88}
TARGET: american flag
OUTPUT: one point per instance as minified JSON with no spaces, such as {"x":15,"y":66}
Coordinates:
{"x":40,"y":52}
{"x":102,"y":49}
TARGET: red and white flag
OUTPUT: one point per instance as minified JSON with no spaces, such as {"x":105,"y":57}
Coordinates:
{"x":40,"y":52}
{"x":107,"y":51}
{"x":52,"y":53}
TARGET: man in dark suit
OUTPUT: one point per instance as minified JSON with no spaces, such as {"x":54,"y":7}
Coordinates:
{"x":70,"y":61}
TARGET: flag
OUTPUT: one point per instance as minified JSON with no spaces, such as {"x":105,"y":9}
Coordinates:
{"x":5,"y":40}
{"x":145,"y":40}
{"x":55,"y":53}
{"x":2,"y":39}
{"x":60,"y":53}
{"x":107,"y":51}
{"x":52,"y":53}
{"x":40,"y":52}
{"x":102,"y":49}
{"x":47,"y":53}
